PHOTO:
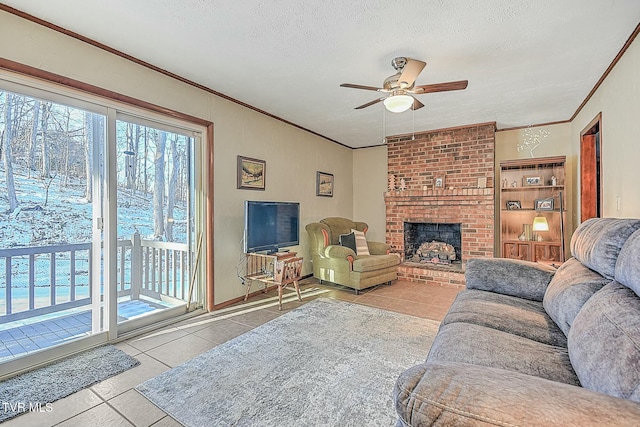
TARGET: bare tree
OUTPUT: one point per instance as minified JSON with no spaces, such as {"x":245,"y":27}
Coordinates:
{"x":173,"y":181}
{"x":158,"y":186}
{"x":46,"y":158}
{"x":6,"y":148}
{"x":34,"y":136}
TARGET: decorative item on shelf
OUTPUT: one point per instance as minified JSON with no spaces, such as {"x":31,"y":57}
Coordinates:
{"x":513,"y":205}
{"x":505,"y":183}
{"x":543,"y":204}
{"x":403,"y":184}
{"x":526,"y":231}
{"x":514,"y":184}
{"x":392,"y":183}
{"x":531,"y":180}
{"x":554,"y":180}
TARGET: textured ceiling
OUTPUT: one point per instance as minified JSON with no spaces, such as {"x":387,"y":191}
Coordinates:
{"x":527,"y":62}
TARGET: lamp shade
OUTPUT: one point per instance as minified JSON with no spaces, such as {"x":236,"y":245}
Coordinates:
{"x":398,"y":103}
{"x":540,"y":223}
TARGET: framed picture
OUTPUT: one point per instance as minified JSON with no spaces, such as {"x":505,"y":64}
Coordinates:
{"x":324,"y":184}
{"x":513,"y":205}
{"x":438,"y":182}
{"x":531,"y":180}
{"x":543,"y":204}
{"x":251,"y":173}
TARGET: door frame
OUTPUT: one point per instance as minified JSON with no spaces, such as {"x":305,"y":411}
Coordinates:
{"x":591,"y":169}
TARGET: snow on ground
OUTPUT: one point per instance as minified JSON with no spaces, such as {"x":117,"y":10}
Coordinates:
{"x":63,"y":216}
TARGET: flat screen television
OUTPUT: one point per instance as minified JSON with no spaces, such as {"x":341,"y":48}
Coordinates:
{"x":269,"y":226}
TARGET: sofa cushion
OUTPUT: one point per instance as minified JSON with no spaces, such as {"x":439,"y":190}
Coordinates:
{"x":570,"y":288}
{"x":460,"y":394}
{"x":518,"y":278}
{"x":348,"y":241}
{"x":479,"y":345}
{"x":628,"y":267}
{"x":505,"y":313}
{"x":361,"y":243}
{"x":597,"y":242}
{"x":374,"y":262}
{"x":604,"y":342}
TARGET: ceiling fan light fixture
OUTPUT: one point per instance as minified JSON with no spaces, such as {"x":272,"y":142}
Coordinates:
{"x":398,"y":103}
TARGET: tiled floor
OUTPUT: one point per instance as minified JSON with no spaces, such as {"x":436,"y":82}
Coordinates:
{"x":114,"y":402}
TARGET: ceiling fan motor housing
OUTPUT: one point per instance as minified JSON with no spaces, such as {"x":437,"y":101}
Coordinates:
{"x":399,"y":63}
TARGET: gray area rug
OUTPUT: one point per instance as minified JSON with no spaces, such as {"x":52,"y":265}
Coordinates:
{"x":326,"y":363}
{"x":34,"y":389}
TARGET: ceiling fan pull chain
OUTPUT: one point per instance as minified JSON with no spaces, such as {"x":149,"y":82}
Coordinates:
{"x":413,"y":124}
{"x":384,"y":129}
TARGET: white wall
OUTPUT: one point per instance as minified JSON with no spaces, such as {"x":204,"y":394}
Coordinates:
{"x":618,"y":98}
{"x":293,"y":156}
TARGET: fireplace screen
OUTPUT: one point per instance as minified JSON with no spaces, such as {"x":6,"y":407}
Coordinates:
{"x":432,"y":243}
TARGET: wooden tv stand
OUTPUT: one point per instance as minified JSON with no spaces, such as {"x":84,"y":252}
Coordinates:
{"x":279,"y":269}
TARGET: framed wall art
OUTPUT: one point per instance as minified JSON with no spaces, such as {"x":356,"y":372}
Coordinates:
{"x":251,"y":173}
{"x":324,"y":184}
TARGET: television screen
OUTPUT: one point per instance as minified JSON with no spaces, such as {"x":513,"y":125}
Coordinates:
{"x":269,"y":226}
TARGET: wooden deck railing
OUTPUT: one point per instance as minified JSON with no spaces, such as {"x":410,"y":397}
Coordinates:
{"x":34,"y":280}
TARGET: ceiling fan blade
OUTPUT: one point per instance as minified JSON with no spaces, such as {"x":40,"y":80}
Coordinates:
{"x":375,"y":101}
{"x":359,"y":86}
{"x":440,"y":87}
{"x":416,"y":105}
{"x":410,"y":72}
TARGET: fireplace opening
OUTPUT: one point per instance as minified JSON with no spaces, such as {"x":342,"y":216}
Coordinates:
{"x":431,"y":243}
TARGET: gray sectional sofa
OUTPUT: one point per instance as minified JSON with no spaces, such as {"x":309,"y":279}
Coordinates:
{"x":525,"y":345}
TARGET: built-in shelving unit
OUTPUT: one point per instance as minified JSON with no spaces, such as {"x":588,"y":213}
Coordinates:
{"x":530,"y":187}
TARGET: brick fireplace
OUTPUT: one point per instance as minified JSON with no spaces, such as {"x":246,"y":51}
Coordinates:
{"x":444,"y":173}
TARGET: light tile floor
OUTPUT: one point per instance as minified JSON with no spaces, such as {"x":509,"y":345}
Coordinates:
{"x":115,"y":402}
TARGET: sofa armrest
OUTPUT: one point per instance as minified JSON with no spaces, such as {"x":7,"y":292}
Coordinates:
{"x":378,"y":248}
{"x":461,"y":394}
{"x":340,"y":252}
{"x":517,"y":278}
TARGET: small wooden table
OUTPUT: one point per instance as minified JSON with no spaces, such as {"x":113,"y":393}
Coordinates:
{"x":279,"y":269}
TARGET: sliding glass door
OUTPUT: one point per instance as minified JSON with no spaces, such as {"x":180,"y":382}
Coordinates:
{"x":97,"y":222}
{"x":50,"y":247}
{"x":155,"y":220}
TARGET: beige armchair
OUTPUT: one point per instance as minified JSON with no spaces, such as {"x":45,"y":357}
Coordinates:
{"x":340,"y":264}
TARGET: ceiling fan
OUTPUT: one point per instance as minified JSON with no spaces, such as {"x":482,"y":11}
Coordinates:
{"x":401,"y":86}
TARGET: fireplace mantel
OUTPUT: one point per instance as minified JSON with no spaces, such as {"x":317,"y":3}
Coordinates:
{"x":446,"y":194}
